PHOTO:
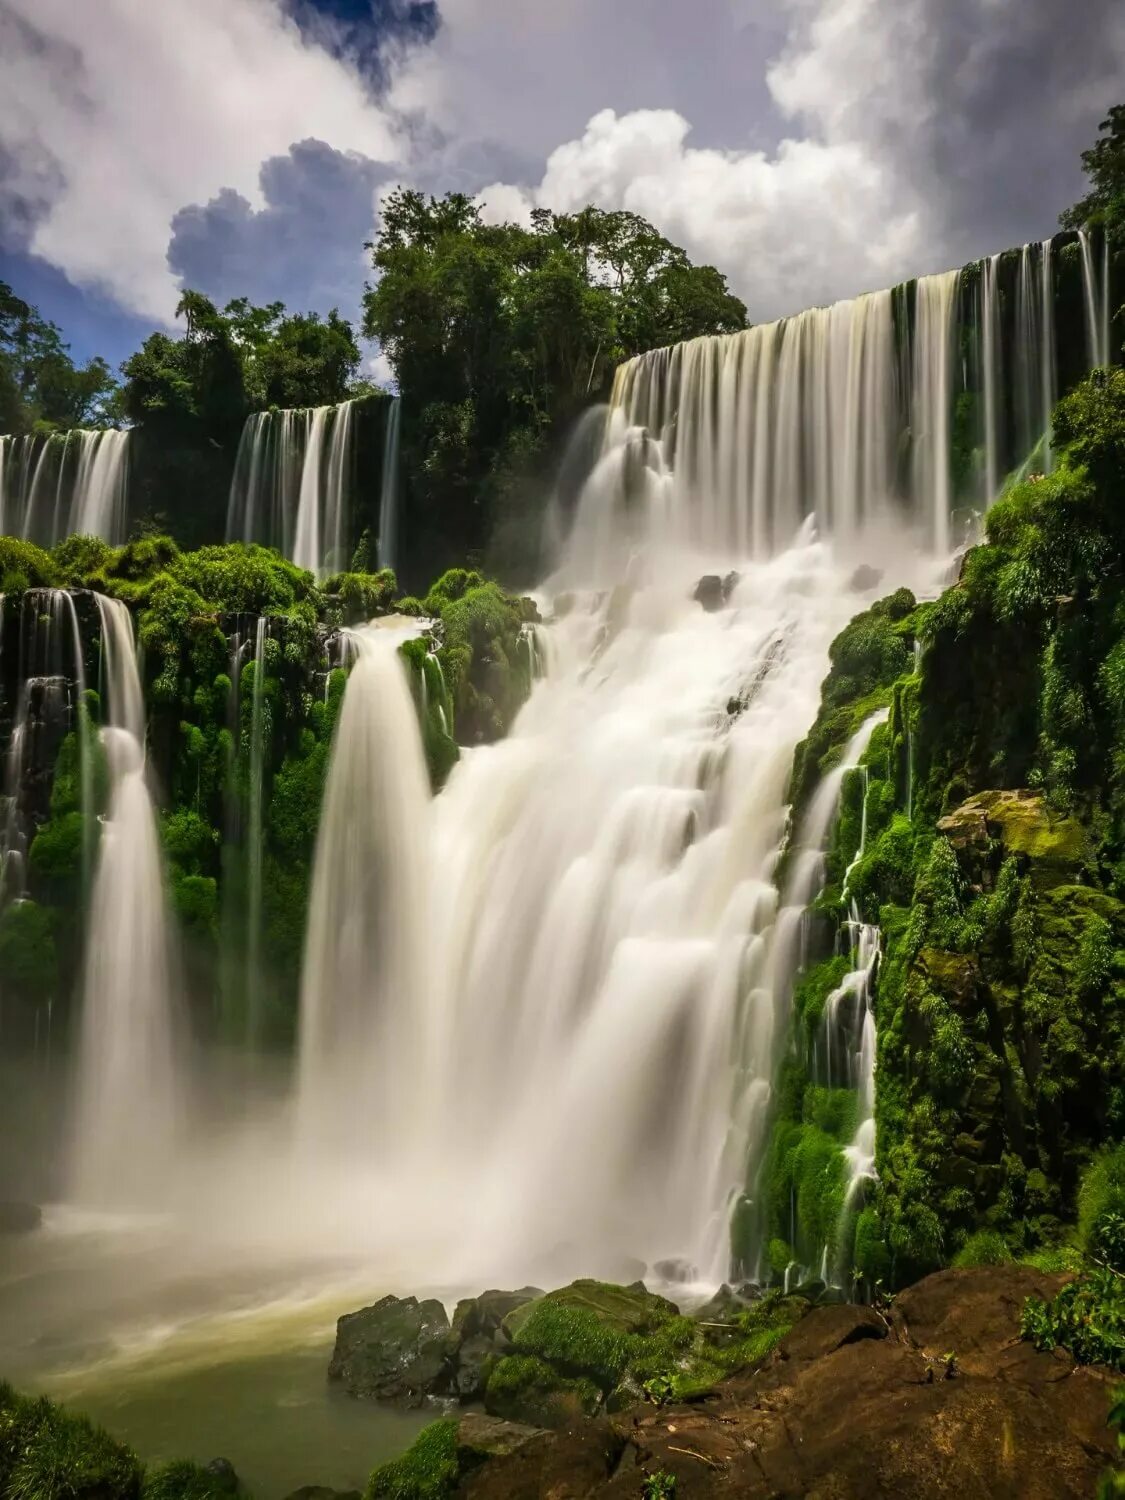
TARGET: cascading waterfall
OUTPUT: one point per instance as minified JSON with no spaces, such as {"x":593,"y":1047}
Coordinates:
{"x":389,"y":488}
{"x":292,"y":484}
{"x":53,"y":486}
{"x":1095,"y":296}
{"x":128,"y":1088}
{"x":991,"y":373}
{"x":254,"y":841}
{"x":931,"y":413}
{"x":364,"y":994}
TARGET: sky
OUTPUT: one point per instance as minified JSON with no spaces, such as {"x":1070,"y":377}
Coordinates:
{"x":811,"y":149}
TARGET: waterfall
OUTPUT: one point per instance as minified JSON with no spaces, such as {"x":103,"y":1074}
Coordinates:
{"x":759,"y":429}
{"x":1095,"y":296}
{"x":128,"y":1085}
{"x":991,"y":373}
{"x":54,"y":486}
{"x":859,"y":1030}
{"x":254,"y":848}
{"x":1048,"y":383}
{"x":364,"y":992}
{"x":292,"y":483}
{"x":389,"y":488}
{"x":932,"y":408}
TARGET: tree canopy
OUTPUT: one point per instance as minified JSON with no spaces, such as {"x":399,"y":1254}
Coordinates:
{"x":1104,"y":165}
{"x":41,"y":388}
{"x":499,"y":334}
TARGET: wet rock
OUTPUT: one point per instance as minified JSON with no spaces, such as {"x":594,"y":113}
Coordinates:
{"x":474,"y":1359}
{"x":730,"y":583}
{"x":485,"y":1314}
{"x":676,"y":1268}
{"x":480,"y":1436}
{"x":528,"y":1390}
{"x":709,"y":592}
{"x":19,"y":1218}
{"x":395,"y":1350}
{"x":865,"y":578}
{"x":321,"y":1492}
{"x":223,"y":1477}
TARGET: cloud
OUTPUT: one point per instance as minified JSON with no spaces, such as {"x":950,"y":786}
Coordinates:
{"x":304,"y":246}
{"x":909,"y":135}
{"x":119,"y":113}
{"x":805,"y":224}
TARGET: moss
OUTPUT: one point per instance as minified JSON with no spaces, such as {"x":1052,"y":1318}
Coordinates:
{"x":815,"y":986}
{"x":428,"y":1470}
{"x":363,"y":596}
{"x":56,"y":851}
{"x":984,"y":1248}
{"x":28,"y":957}
{"x":522,"y":1388}
{"x":23,"y":565}
{"x":183,"y":1480}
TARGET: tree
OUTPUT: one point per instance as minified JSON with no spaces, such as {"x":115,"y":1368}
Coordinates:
{"x":500,"y":334}
{"x":1104,"y":165}
{"x":40,"y":385}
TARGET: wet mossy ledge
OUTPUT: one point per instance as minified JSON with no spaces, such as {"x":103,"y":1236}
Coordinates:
{"x":983,"y":832}
{"x":228,"y":754}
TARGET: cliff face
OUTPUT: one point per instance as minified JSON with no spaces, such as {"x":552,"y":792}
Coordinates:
{"x":984,"y":836}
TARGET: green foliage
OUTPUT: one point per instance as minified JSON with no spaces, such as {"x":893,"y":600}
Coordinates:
{"x":984,"y":1248}
{"x":1104,"y":165}
{"x":659,"y":1486}
{"x":1087,"y":1317}
{"x":1111,"y":1486}
{"x":47,"y":1453}
{"x":499,"y":335}
{"x":428,"y":1470}
{"x":1101,"y":1207}
{"x":40,"y":385}
{"x":28,"y":958}
{"x":23,"y":565}
{"x":183,"y":1480}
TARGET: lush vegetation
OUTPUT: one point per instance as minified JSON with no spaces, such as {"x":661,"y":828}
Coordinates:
{"x":239,"y":741}
{"x":41,"y":388}
{"x":994,"y":864}
{"x":499,"y":335}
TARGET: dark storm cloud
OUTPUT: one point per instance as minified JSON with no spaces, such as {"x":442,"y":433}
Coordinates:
{"x":304,"y":247}
{"x":1014,"y":91}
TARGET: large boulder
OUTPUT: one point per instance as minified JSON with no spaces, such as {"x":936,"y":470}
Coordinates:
{"x":395,"y":1350}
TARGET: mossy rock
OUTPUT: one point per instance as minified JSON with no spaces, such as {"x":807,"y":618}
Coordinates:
{"x":395,"y":1350}
{"x":525,"y":1389}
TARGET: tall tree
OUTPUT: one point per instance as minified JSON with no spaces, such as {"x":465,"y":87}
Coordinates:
{"x":500,"y":334}
{"x":40,"y":385}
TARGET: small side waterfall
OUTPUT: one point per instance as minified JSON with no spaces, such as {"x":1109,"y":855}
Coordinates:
{"x":992,"y":374}
{"x":254,"y":840}
{"x":1095,"y":294}
{"x":128,"y":1101}
{"x":389,"y":488}
{"x":364,"y":993}
{"x":292,"y":484}
{"x":53,"y":486}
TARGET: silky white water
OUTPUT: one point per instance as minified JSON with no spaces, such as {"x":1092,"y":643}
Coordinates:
{"x":129,"y":1076}
{"x":54,"y":486}
{"x":292,"y":486}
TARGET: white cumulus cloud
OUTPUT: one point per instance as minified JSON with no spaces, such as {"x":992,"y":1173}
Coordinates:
{"x":119,"y":112}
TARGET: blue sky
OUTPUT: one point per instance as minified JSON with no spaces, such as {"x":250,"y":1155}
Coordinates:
{"x":810,"y":148}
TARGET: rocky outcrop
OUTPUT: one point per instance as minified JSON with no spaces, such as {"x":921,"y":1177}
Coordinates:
{"x":19,"y":1218}
{"x":392,"y":1351}
{"x":938,"y":1398}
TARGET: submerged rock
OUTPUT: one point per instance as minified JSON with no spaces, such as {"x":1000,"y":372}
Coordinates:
{"x":395,"y":1350}
{"x":864,"y":578}
{"x":19,"y":1218}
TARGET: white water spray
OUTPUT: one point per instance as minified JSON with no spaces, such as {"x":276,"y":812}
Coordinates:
{"x":128,"y":1105}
